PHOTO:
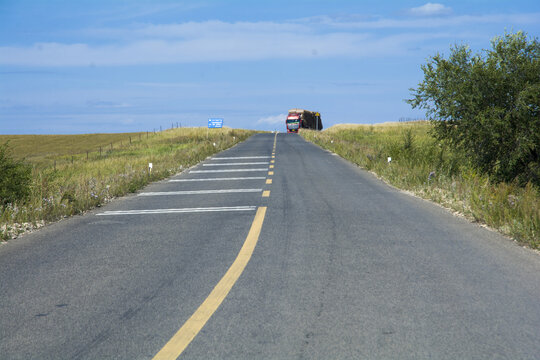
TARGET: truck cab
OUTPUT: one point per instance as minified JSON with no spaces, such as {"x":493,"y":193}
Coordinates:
{"x":293,"y":123}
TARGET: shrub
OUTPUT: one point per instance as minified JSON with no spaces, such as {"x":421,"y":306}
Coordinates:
{"x":487,"y":105}
{"x":15,"y":178}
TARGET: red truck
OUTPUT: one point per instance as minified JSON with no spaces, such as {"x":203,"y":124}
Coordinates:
{"x":305,"y":119}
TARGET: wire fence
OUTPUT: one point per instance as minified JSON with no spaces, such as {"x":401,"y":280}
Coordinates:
{"x":103,"y":151}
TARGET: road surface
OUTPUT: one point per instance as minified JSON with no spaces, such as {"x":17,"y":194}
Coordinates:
{"x":274,"y":249}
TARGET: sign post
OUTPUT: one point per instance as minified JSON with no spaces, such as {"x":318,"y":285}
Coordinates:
{"x":214,"y":123}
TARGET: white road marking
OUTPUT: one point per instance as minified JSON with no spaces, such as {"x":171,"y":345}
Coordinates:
{"x":221,"y":179}
{"x":175,"y":211}
{"x":240,"y":157}
{"x":197,"y":192}
{"x":226,"y":170}
{"x":233,"y":164}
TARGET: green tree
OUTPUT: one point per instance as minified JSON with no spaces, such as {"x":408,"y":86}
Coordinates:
{"x":15,"y":178}
{"x":488,"y":105}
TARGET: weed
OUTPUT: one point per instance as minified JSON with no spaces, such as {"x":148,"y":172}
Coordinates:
{"x":434,"y":171}
{"x":14,"y":178}
{"x":82,"y":181}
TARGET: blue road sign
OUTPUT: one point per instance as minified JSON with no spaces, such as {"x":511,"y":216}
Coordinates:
{"x":215,"y":123}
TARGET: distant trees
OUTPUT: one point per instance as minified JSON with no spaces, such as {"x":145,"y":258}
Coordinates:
{"x":488,"y":105}
{"x":15,"y":178}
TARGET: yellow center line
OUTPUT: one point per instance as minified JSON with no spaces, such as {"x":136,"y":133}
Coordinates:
{"x":266,"y":193}
{"x":178,"y":343}
{"x":272,"y":161}
{"x":270,"y":173}
{"x":271,"y":166}
{"x":268,"y":181}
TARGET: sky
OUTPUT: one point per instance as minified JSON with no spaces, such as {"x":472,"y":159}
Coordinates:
{"x":93,"y":66}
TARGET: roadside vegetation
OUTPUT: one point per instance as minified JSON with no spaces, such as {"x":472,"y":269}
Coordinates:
{"x":487,"y":106}
{"x":47,"y":177}
{"x":434,"y":170}
{"x":480,"y":153}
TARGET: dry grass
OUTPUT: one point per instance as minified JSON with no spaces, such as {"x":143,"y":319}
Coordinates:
{"x":66,"y":182}
{"x":433,"y":171}
{"x":43,"y":149}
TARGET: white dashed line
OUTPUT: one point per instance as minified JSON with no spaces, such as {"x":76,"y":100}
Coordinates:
{"x":175,"y":211}
{"x":241,"y":157}
{"x":226,"y":170}
{"x":197,"y":192}
{"x":221,"y":179}
{"x":234,"y":164}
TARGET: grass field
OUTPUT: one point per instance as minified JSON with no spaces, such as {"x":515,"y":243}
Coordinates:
{"x":72,"y":174}
{"x":41,"y":150}
{"x":431,"y":170}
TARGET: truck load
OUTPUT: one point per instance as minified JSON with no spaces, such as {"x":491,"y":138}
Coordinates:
{"x":305,"y":119}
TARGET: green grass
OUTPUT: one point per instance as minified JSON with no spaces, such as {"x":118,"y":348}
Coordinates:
{"x":68,"y":181}
{"x":431,"y":170}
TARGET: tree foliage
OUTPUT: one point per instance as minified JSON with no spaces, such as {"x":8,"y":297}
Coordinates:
{"x":488,"y":105}
{"x":15,"y":178}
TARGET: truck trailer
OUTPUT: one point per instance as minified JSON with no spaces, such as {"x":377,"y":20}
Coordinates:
{"x":305,"y":119}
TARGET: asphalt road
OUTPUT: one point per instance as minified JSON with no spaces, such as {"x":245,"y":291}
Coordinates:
{"x":345,"y":267}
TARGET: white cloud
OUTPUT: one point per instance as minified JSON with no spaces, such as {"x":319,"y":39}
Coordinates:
{"x":430,"y":9}
{"x":198,"y":30}
{"x":211,"y":41}
{"x":102,"y":104}
{"x":273,"y":120}
{"x":425,"y":23}
{"x":246,"y":46}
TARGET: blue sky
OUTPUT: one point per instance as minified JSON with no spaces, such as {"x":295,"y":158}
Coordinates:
{"x":69,"y":67}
